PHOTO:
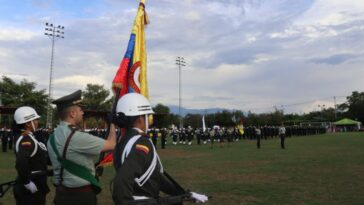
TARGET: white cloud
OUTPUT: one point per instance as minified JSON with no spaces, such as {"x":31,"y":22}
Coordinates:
{"x":193,"y":16}
{"x":248,"y":55}
{"x":14,"y":34}
{"x":78,"y":81}
{"x":332,"y":12}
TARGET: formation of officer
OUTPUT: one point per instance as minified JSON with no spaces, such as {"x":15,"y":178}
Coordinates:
{"x":72,"y":154}
{"x":139,"y":171}
{"x":31,"y":160}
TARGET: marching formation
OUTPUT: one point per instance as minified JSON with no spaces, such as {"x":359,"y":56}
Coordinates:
{"x":140,"y":176}
{"x":222,"y":135}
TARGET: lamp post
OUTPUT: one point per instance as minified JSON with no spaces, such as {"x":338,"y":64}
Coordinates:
{"x":335,"y":107}
{"x":180,"y":61}
{"x":53,"y":32}
{"x":1,"y":104}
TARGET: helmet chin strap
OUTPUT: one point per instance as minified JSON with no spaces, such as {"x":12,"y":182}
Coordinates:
{"x":146,"y":123}
{"x":32,"y":125}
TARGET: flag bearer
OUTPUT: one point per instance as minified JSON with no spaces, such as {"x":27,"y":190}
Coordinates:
{"x":139,"y":171}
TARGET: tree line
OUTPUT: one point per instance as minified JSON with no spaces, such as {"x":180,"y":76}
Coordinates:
{"x":97,"y":97}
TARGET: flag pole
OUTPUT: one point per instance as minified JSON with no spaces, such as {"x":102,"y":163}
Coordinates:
{"x":100,"y":169}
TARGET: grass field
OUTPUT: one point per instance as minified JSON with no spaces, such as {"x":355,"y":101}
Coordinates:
{"x":312,"y":170}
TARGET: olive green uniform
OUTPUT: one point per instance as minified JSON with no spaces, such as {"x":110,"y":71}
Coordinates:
{"x":82,"y":149}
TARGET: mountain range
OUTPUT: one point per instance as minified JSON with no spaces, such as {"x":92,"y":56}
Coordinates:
{"x":184,"y":111}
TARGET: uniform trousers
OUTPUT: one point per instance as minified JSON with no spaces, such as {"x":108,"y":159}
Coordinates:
{"x":66,"y":196}
{"x":282,"y":140}
{"x":25,"y":197}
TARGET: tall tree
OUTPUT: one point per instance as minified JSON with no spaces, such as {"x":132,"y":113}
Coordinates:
{"x":193,"y":120}
{"x":22,"y":94}
{"x":96,"y":97}
{"x":354,"y":107}
{"x":162,"y":116}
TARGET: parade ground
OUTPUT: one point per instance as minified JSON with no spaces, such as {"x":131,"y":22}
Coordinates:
{"x":312,"y":170}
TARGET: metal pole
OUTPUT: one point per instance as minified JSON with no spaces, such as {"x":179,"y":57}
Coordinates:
{"x":52,"y":32}
{"x":180,"y":96}
{"x":335,"y":107}
{"x":50,"y":88}
{"x":180,"y":62}
{"x":1,"y":104}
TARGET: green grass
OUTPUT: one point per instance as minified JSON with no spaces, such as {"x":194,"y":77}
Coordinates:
{"x":312,"y":170}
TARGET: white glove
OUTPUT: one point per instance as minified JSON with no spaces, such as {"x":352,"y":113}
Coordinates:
{"x":199,"y":197}
{"x":31,"y":187}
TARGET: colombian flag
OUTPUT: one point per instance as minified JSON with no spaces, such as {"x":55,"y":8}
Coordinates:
{"x":132,"y":73}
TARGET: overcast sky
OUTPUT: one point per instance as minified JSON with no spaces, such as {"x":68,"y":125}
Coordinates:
{"x":240,"y":54}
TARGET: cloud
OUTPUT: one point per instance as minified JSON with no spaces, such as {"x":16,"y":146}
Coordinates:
{"x":78,"y":81}
{"x":332,"y":12}
{"x":249,"y":55}
{"x":14,"y":34}
{"x":335,"y":59}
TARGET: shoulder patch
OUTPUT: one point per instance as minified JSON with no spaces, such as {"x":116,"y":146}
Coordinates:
{"x":142,"y":148}
{"x":26,"y":144}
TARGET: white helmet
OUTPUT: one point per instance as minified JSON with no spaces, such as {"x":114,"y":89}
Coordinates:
{"x":134,"y":104}
{"x":25,"y":114}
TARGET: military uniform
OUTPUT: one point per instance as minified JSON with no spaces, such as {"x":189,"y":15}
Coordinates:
{"x":134,"y":158}
{"x":282,"y":135}
{"x":31,"y":165}
{"x":198,"y":136}
{"x":4,"y":140}
{"x":164,"y":133}
{"x":175,"y":135}
{"x":258,"y":136}
{"x":189,"y":135}
{"x":155,"y":136}
{"x":81,"y":148}
{"x":10,"y":139}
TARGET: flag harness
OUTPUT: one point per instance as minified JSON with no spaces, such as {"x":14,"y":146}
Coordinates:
{"x":144,"y":177}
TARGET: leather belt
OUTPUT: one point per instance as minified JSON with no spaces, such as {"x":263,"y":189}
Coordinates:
{"x":82,"y":189}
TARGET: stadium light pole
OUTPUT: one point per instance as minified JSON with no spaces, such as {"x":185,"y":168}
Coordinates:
{"x":54,"y":33}
{"x":1,"y":104}
{"x":335,"y":107}
{"x":180,"y":61}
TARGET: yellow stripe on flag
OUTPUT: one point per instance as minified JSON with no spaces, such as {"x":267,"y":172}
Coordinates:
{"x":140,"y":51}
